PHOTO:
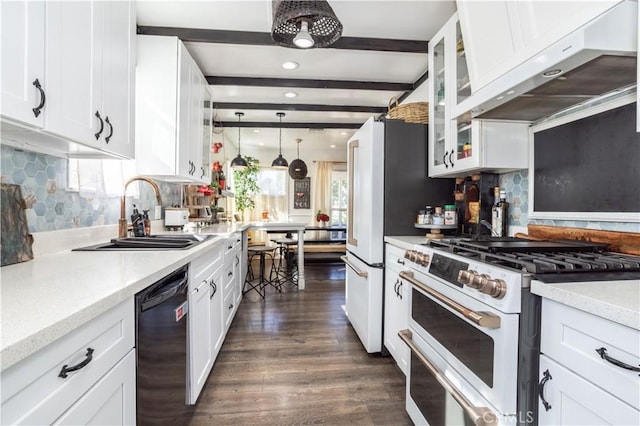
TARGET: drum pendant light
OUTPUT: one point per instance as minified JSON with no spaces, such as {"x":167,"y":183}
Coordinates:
{"x":298,"y":168}
{"x":239,"y":163}
{"x":280,"y":162}
{"x":304,"y":24}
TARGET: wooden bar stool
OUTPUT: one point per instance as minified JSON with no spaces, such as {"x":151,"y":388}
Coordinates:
{"x":259,"y":283}
{"x":287,"y":269}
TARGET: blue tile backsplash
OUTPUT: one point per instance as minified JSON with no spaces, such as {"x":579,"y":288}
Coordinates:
{"x":517,"y":186}
{"x":53,"y":206}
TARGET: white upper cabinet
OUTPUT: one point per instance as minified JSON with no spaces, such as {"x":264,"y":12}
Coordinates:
{"x":73,"y":71}
{"x":68,"y":71}
{"x":170,"y":111}
{"x":119,"y":61}
{"x":22,"y":52}
{"x":502,"y":34}
{"x":460,"y":145}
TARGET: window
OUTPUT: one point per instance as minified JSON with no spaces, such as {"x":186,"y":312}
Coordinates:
{"x":339,"y":195}
{"x":272,"y":197}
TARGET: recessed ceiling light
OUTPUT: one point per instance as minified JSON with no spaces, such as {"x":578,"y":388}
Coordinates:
{"x":343,"y":133}
{"x":332,"y":146}
{"x":290,"y":94}
{"x":500,"y":98}
{"x":511,"y":92}
{"x":256,"y":130}
{"x":261,"y":144}
{"x":290,"y":65}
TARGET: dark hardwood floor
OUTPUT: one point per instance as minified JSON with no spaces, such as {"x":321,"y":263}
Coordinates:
{"x":294,"y":359}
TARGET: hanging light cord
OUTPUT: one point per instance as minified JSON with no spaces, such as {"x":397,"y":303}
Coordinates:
{"x":280,"y":142}
{"x":239,"y":134}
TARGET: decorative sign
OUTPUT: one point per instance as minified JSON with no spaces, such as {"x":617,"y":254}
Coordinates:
{"x":302,"y":193}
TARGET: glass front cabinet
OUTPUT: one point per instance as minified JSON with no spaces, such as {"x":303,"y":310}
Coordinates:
{"x":460,"y":145}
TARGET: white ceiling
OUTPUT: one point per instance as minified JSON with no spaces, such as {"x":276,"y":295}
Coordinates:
{"x":403,"y":20}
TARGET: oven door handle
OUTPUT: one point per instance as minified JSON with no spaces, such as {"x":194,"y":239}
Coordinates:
{"x":479,"y":415}
{"x":483,"y":319}
{"x":358,"y":272}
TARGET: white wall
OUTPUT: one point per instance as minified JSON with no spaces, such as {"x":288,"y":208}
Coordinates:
{"x":421,"y":94}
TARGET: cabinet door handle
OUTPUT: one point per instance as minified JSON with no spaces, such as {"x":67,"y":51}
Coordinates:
{"x":444,"y":161}
{"x":603,"y":354}
{"x":546,"y":376}
{"x":451,"y":157}
{"x":395,"y":287}
{"x":399,"y":290}
{"x":37,"y":110}
{"x":230,"y":273}
{"x":237,"y":260}
{"x":214,"y":287}
{"x":231,"y":306}
{"x":97,"y":135}
{"x":66,"y":369}
{"x":106,"y":120}
{"x":202,"y":172}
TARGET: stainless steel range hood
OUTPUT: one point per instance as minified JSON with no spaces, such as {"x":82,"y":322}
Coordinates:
{"x":594,"y":60}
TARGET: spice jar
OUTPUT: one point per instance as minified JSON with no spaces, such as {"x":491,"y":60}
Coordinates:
{"x":450,"y":217}
{"x":438,"y":219}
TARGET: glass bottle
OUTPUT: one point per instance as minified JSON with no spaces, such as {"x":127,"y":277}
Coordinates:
{"x":499,"y":213}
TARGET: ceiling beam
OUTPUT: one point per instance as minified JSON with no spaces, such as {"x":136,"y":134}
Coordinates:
{"x":308,"y":83}
{"x":299,"y":107}
{"x":264,"y":39}
{"x":271,"y":125}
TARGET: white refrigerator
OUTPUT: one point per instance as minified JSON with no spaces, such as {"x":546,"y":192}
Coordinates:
{"x":388,"y":184}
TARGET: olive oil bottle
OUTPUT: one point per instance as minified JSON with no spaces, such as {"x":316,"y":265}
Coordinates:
{"x":499,"y":213}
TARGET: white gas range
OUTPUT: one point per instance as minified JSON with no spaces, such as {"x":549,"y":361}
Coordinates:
{"x":474,"y":328}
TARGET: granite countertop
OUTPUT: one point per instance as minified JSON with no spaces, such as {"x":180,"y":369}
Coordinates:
{"x":405,"y":242}
{"x":47,"y":297}
{"x":618,"y":301}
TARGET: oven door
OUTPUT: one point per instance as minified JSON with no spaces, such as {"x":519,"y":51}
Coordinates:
{"x":478,"y":341}
{"x":437,"y":395}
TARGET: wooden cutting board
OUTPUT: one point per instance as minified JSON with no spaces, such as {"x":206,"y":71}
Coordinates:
{"x":622,"y":242}
{"x":15,"y":240}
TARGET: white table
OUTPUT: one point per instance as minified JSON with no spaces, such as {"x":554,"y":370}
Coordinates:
{"x":287,"y":227}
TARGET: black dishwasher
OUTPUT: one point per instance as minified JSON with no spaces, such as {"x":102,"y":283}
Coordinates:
{"x":161,"y":351}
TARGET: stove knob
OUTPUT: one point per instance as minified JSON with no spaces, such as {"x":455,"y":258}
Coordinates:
{"x":407,"y":254}
{"x":495,"y":288}
{"x":478,"y":281}
{"x":423,"y":259}
{"x":466,"y":277}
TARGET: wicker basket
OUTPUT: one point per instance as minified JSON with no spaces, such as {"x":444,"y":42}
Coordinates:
{"x":413,"y":112}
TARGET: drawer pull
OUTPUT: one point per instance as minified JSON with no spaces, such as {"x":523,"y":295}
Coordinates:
{"x":400,"y":261}
{"x":603,"y":354}
{"x":546,"y":377}
{"x":66,"y":369}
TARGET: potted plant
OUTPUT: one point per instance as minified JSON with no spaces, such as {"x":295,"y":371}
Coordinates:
{"x":322,"y":218}
{"x":221,"y":180}
{"x":246,"y":185}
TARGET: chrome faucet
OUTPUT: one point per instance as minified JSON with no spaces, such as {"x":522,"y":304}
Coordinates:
{"x":123,"y":223}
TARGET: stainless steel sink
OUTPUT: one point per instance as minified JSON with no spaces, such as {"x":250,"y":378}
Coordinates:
{"x":154,"y":242}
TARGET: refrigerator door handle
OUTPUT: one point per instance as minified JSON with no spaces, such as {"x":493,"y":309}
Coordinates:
{"x":350,"y":165}
{"x":358,"y":272}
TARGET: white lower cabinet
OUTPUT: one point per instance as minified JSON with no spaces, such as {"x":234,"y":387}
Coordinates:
{"x":573,"y":400}
{"x":200,"y":346}
{"x":396,"y":307}
{"x":55,"y":384}
{"x":583,"y":379}
{"x":110,"y":402}
{"x":215,"y":302}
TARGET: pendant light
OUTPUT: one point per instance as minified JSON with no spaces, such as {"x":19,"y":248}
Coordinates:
{"x":304,"y":24}
{"x":239,"y":163}
{"x":280,"y":162}
{"x":298,"y":168}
